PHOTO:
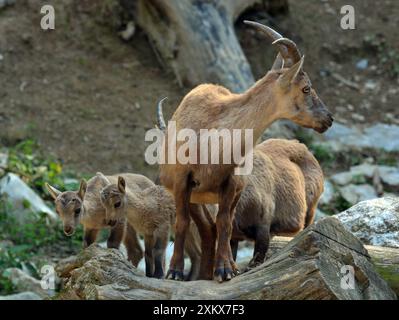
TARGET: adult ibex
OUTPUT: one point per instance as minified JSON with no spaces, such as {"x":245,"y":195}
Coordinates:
{"x":280,"y":196}
{"x":284,"y":93}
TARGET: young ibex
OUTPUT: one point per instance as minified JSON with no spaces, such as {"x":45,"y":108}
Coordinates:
{"x":280,"y":196}
{"x":152,"y":213}
{"x":284,"y":93}
{"x":84,"y":206}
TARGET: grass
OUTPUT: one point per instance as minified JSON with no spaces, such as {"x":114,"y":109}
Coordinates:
{"x":27,"y":245}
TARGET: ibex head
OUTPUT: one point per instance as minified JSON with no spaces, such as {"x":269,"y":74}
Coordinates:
{"x":113,"y":199}
{"x":69,"y":206}
{"x":296,"y":98}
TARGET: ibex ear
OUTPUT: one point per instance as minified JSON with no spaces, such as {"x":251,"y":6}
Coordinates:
{"x":53,"y":191}
{"x":290,"y":75}
{"x":121,"y":184}
{"x":82,"y":189}
{"x":278,"y":63}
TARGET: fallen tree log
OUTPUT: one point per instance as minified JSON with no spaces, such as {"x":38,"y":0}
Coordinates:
{"x":308,"y":267}
{"x":385,"y":260}
{"x":197,"y":40}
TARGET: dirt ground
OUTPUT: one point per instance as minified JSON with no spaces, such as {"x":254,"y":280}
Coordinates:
{"x":88,"y":97}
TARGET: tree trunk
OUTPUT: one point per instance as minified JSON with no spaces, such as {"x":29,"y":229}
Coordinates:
{"x":308,"y":267}
{"x":197,"y":40}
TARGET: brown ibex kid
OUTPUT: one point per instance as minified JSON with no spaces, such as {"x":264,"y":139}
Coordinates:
{"x":280,"y":196}
{"x":151,"y":212}
{"x":84,"y":206}
{"x":284,"y":93}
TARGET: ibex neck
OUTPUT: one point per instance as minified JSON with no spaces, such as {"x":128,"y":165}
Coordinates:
{"x":259,"y":105}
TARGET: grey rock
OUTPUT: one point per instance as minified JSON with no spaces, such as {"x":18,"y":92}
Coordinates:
{"x":328,"y":193}
{"x":380,"y":136}
{"x":342,"y":178}
{"x":24,"y":282}
{"x":362,"y":64}
{"x":356,"y":193}
{"x":374,"y":222}
{"x":22,"y":296}
{"x":18,"y":194}
{"x":389,"y":175}
{"x":3,"y":160}
{"x":4,"y":3}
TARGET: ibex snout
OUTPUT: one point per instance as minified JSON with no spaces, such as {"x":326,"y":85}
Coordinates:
{"x":69,"y":231}
{"x":325,"y":118}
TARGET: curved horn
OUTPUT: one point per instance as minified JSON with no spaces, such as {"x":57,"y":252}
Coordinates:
{"x":160,"y":118}
{"x":287,"y":47}
{"x":291,"y":51}
{"x":272,"y":34}
{"x":53,"y":191}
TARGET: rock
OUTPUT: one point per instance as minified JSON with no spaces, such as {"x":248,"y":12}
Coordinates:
{"x":374,"y":222}
{"x":362,"y":64}
{"x":328,"y":193}
{"x":22,"y":296}
{"x":3,"y":163}
{"x":358,"y":117}
{"x":3,"y":160}
{"x":308,"y":267}
{"x":389,"y":175}
{"x":5,"y":3}
{"x":24,"y":282}
{"x":380,"y":136}
{"x":129,"y":32}
{"x":21,"y":196}
{"x":355,"y":193}
{"x":342,"y":178}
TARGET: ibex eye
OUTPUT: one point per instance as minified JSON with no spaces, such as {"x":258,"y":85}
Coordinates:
{"x":306,"y":90}
{"x":117,"y":205}
{"x":77,"y":212}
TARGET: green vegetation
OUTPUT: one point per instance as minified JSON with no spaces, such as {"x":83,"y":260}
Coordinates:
{"x":337,"y":205}
{"x":26,"y":245}
{"x":29,"y":245}
{"x":35,"y":170}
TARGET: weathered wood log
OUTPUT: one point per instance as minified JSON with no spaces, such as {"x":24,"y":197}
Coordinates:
{"x":197,"y":40}
{"x":385,"y":260}
{"x":308,"y":267}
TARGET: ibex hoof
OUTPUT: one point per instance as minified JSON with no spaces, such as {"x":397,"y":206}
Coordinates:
{"x":175,"y":275}
{"x":224,"y":274}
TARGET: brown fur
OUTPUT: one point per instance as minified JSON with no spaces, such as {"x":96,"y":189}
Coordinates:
{"x":84,"y":206}
{"x":280,"y":196}
{"x":151,"y":212}
{"x":281,"y":94}
{"x":209,"y":106}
